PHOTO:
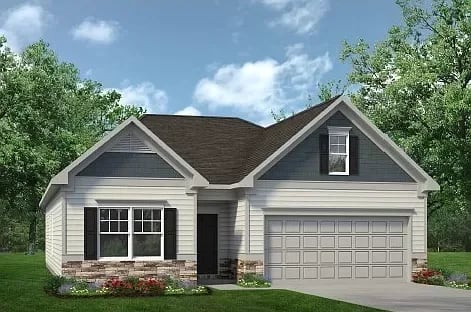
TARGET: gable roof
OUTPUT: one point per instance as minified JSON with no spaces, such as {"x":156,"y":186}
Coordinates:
{"x":224,"y":150}
{"x":234,"y":152}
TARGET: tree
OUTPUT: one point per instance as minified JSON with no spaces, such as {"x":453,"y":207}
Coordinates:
{"x":48,"y":117}
{"x":415,"y":86}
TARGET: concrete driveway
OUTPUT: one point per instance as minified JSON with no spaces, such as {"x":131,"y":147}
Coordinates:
{"x":391,"y":296}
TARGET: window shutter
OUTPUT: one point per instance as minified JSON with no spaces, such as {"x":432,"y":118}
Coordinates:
{"x":170,"y":233}
{"x":324,"y":154}
{"x":354,"y":155}
{"x":90,"y":233}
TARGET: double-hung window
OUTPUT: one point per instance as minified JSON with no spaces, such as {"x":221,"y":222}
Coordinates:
{"x":130,"y":232}
{"x":339,"y":150}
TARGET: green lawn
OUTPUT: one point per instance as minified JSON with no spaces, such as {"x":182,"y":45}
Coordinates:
{"x":21,"y":282}
{"x":453,"y":261}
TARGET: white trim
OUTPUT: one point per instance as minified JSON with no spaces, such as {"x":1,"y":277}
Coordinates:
{"x":340,"y":132}
{"x":62,"y":178}
{"x":130,"y":233}
{"x":344,"y":105}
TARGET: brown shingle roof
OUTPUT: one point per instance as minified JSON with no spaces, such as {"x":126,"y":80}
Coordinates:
{"x":223,"y":149}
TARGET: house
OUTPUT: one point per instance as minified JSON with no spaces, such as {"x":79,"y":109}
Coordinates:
{"x":323,"y":194}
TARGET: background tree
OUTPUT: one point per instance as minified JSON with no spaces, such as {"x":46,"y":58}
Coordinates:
{"x":415,"y":86}
{"x":48,"y":117}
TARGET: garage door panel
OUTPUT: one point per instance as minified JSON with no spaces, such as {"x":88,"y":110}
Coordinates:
{"x":292,"y":257}
{"x":327,"y":226}
{"x":335,"y":248}
{"x":345,"y":272}
{"x":293,"y":242}
{"x":310,"y":226}
{"x":327,"y":272}
{"x":327,"y":242}
{"x":310,"y":242}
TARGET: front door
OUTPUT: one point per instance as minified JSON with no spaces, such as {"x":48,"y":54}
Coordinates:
{"x":207,"y":244}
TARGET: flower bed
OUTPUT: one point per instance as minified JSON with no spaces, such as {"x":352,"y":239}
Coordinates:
{"x":442,"y":278}
{"x":128,"y":287}
{"x":251,"y":280}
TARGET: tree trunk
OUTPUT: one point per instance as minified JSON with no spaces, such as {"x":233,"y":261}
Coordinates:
{"x":32,"y":234}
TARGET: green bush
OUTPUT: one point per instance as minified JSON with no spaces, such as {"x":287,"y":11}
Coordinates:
{"x":438,"y":280}
{"x":252,"y":280}
{"x":54,"y":282}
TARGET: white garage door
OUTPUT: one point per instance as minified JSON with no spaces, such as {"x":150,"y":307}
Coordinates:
{"x":312,"y":248}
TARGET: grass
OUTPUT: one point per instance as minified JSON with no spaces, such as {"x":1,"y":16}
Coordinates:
{"x":452,"y":261}
{"x":22,"y":279}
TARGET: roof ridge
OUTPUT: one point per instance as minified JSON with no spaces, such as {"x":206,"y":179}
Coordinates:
{"x":212,"y":117}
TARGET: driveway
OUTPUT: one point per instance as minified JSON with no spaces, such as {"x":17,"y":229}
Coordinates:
{"x":391,"y":296}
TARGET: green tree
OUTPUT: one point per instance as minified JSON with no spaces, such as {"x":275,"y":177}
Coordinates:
{"x":415,"y":86}
{"x":48,"y":117}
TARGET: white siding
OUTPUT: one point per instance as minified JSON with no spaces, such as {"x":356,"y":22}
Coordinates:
{"x":54,"y":234}
{"x":86,"y":194}
{"x":377,"y":200}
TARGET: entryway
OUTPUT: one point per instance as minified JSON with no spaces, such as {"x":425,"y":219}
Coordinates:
{"x":207,"y":249}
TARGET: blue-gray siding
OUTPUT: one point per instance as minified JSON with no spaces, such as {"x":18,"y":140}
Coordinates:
{"x":302,"y":163}
{"x":143,"y":165}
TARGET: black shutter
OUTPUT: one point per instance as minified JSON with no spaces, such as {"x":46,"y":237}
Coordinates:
{"x":324,"y":154}
{"x":354,"y":153}
{"x":90,"y":234}
{"x":170,"y":233}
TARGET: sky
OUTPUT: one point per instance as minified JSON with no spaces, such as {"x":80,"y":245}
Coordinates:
{"x":242,"y":58}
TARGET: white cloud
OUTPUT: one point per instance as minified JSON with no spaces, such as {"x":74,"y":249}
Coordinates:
{"x":145,"y":95}
{"x":189,"y":111}
{"x":23,"y":25}
{"x":256,"y":88}
{"x":97,"y":31}
{"x":300,"y":15}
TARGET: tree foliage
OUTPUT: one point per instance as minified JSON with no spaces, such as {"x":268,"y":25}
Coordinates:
{"x":415,"y":86}
{"x":48,"y":117}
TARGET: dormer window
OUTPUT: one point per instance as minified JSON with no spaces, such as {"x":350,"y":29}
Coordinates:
{"x":339,"y":140}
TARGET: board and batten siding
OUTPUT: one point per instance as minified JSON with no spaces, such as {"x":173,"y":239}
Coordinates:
{"x":88,"y":191}
{"x":53,"y":239}
{"x":365,"y":200}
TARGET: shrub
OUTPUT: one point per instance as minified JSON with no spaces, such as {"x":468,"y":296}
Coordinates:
{"x":54,"y":282}
{"x":438,"y":280}
{"x":252,"y":280}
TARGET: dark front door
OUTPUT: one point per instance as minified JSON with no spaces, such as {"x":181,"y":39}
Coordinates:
{"x":207,"y":244}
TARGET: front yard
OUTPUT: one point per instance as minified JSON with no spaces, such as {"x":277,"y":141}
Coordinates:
{"x":452,"y":261}
{"x":22,"y":279}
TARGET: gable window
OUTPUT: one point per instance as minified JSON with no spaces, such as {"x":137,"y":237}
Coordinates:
{"x":130,"y":232}
{"x":339,"y":150}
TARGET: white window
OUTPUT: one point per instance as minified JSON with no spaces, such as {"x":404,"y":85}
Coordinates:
{"x":338,"y":150}
{"x":130,"y":233}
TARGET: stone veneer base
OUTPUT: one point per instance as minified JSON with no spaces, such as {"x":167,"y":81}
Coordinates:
{"x":99,"y":271}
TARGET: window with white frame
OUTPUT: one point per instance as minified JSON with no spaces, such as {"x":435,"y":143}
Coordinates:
{"x":130,"y":232}
{"x":339,"y":150}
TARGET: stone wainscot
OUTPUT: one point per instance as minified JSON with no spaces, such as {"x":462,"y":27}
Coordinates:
{"x":99,"y":271}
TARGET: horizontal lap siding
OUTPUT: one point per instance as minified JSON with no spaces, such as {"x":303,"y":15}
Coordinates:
{"x":309,"y":198}
{"x":87,"y":196}
{"x":54,"y":234}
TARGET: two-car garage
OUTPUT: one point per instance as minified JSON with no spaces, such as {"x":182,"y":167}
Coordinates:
{"x":310,"y":248}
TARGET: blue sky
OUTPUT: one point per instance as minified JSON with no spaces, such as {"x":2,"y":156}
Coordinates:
{"x":211,"y":57}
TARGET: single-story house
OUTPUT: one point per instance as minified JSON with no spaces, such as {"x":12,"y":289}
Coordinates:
{"x":323,"y":194}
